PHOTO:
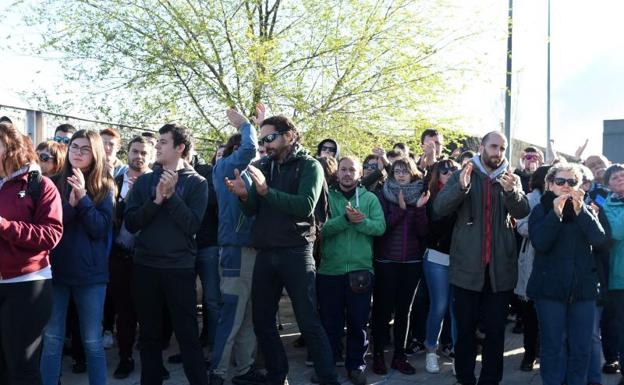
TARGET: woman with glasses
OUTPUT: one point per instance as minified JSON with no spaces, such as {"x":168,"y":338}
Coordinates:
{"x":398,"y":261}
{"x":435,"y":265}
{"x":563,"y":283}
{"x":80,"y":261}
{"x":51,"y":157}
{"x":30,"y":226}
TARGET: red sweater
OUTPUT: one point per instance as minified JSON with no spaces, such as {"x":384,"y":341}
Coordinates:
{"x":28,"y":230}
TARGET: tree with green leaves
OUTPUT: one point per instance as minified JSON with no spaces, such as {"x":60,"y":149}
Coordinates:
{"x":361,"y":71}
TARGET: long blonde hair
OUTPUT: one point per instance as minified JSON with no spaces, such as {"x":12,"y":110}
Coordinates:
{"x":99,"y":183}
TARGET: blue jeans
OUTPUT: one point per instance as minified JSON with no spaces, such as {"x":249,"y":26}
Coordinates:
{"x":594,"y":374}
{"x":89,"y":301}
{"x":436,"y":277}
{"x":559,"y":321}
{"x":208,"y":270}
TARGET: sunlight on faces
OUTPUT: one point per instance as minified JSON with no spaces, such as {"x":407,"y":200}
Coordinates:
{"x":48,"y":165}
{"x":493,"y":151}
{"x":438,"y":140}
{"x":349,"y":173}
{"x":616,"y":182}
{"x":279,"y":145}
{"x":81,"y":154}
{"x":166,"y":152}
{"x":566,"y":188}
{"x":530,"y":161}
{"x":138,"y":156}
{"x":111,"y":146}
{"x":402,"y":175}
{"x":369,"y":167}
{"x":597,"y":165}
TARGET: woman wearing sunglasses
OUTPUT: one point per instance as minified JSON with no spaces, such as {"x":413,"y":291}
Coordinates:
{"x":398,"y":261}
{"x":563,"y":283}
{"x":80,"y":261}
{"x":435,"y":265}
{"x":51,"y":157}
{"x":30,"y":226}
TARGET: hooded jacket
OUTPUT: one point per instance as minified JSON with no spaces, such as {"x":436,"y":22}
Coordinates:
{"x":318,"y":147}
{"x":564,"y":268}
{"x":28,"y":229}
{"x":234,"y":226}
{"x":347,"y":246}
{"x":285,"y":216}
{"x":484,"y":228}
{"x":166,"y":232}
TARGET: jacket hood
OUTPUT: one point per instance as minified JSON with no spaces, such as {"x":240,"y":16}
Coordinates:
{"x":318,"y":147}
{"x":476,"y":160}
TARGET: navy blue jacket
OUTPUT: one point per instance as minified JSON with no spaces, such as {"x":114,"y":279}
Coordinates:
{"x":564,"y":268}
{"x":81,"y":257}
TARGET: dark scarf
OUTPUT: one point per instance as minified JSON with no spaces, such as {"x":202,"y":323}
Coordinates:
{"x":411,"y":191}
{"x":568,"y":209}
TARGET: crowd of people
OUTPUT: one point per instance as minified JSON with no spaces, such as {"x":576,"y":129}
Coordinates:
{"x":410,"y":253}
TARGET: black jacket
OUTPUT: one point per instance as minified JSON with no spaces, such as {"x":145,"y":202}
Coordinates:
{"x":207,"y":234}
{"x":167,"y":232}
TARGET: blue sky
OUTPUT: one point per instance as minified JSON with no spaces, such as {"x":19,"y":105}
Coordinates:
{"x":587,"y":70}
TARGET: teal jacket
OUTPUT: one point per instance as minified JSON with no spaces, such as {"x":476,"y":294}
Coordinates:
{"x":614,"y":211}
{"x":347,"y":246}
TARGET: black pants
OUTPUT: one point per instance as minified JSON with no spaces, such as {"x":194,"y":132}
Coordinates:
{"x":175,"y":288}
{"x":395,"y":287}
{"x":25,"y":308}
{"x":120,"y":288}
{"x":493,"y":314}
{"x":294,"y":269}
{"x":609,"y":333}
{"x":418,"y":319}
{"x":531,"y":333}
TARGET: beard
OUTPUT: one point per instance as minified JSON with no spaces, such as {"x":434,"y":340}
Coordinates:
{"x":136,"y":165}
{"x":491,"y":162}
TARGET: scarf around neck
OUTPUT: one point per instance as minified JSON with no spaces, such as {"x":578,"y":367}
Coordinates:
{"x":411,"y":191}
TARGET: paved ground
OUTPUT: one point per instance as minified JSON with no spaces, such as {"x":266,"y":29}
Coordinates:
{"x":300,"y":374}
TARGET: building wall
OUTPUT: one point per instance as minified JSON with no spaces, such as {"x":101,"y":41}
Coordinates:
{"x":613,"y":140}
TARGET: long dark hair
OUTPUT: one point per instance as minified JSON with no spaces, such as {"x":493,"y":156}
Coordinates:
{"x":435,"y":175}
{"x":99,"y":183}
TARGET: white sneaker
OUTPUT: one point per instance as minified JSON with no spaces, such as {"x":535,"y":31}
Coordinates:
{"x":454,"y":372}
{"x":432,"y":365}
{"x":107,"y":339}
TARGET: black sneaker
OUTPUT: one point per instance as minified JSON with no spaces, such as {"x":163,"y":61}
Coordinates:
{"x":415,"y":347}
{"x":165,"y":373}
{"x":527,"y":363}
{"x":518,"y":328}
{"x":610,"y":367}
{"x":357,"y":377}
{"x":252,"y":377}
{"x":125,"y":367}
{"x":79,"y":367}
{"x":175,"y":359}
{"x":215,"y":380}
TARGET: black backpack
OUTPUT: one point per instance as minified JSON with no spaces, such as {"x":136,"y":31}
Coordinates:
{"x":33,"y":186}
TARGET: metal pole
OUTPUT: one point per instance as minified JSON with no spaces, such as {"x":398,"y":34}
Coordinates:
{"x":548,"y":83}
{"x":508,"y":82}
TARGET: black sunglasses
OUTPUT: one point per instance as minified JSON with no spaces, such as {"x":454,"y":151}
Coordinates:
{"x":562,"y":181}
{"x":446,"y":170}
{"x":269,"y":138}
{"x":369,"y":166}
{"x":62,"y":139}
{"x":45,"y":157}
{"x":328,"y":148}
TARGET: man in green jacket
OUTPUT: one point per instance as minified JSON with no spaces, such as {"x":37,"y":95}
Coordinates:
{"x":345,"y":277}
{"x":485,"y":195}
{"x":287,"y":184}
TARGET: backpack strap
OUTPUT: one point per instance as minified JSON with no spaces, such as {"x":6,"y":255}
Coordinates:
{"x":34,"y":185}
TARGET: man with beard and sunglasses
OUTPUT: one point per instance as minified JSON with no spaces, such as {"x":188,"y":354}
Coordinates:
{"x":486,"y":195}
{"x":287,"y":184}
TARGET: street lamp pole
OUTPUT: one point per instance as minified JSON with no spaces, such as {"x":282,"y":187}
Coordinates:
{"x":508,"y":82}
{"x":548,"y":144}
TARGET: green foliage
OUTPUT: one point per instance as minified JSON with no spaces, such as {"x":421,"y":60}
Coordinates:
{"x":360,"y":71}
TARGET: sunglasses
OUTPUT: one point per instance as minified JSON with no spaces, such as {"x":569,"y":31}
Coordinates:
{"x":562,"y":181}
{"x":531,"y":157}
{"x":269,"y":138}
{"x":45,"y":157}
{"x":62,"y":139}
{"x":328,"y":148}
{"x":370,"y":166}
{"x":446,"y":170}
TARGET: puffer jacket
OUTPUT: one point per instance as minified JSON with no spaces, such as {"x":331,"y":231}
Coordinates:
{"x":527,"y":252}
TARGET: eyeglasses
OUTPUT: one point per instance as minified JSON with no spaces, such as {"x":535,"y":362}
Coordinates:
{"x":562,"y":181}
{"x":531,"y":157}
{"x":446,"y":170}
{"x":45,"y":157}
{"x":328,"y":148}
{"x":400,"y":171}
{"x":86,"y":150}
{"x":370,"y":166}
{"x":62,"y":139}
{"x":269,"y":138}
